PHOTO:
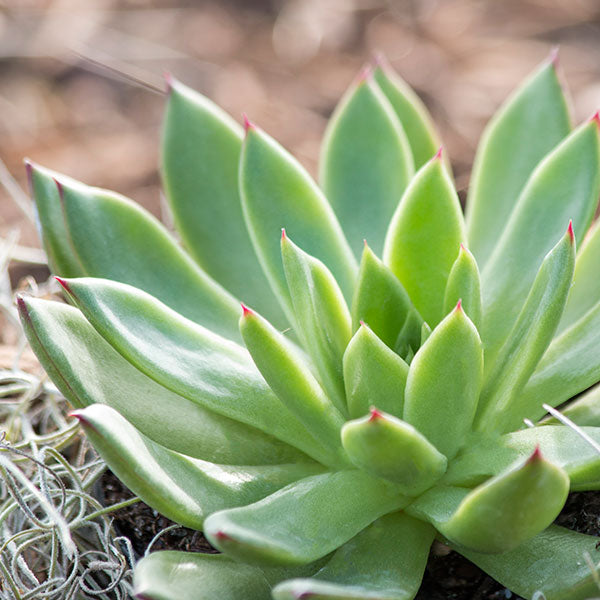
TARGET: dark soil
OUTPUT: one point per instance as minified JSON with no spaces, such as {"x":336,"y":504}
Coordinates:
{"x":449,"y":576}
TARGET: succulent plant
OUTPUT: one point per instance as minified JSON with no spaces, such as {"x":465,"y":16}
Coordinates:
{"x":389,"y":392}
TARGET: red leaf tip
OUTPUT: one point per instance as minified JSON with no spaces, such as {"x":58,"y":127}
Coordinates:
{"x":570,"y":231}
{"x":63,"y":283}
{"x":438,"y":154}
{"x":248,"y":124}
{"x":21,"y":303}
{"x":283,"y":235}
{"x":59,"y":186}
{"x":246,"y":312}
{"x":374,"y":414}
{"x":364,"y":74}
{"x":222,"y":536}
{"x":536,"y":455}
{"x":362,"y":324}
{"x":168,"y":81}
{"x":379,"y":60}
{"x":459,"y":305}
{"x":553,"y":56}
{"x":596,"y":118}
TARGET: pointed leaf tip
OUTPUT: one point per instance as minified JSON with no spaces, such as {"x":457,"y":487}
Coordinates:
{"x":59,"y":186}
{"x":438,"y":154}
{"x":22,"y":306}
{"x":247,"y":123}
{"x":63,"y":283}
{"x":283,"y":235}
{"x":374,"y":414}
{"x":459,"y":305}
{"x":553,"y":56}
{"x":222,"y":536}
{"x":168,"y":81}
{"x":596,"y":118}
{"x":246,"y":312}
{"x":536,"y":455}
{"x":570,"y":231}
{"x":364,"y":74}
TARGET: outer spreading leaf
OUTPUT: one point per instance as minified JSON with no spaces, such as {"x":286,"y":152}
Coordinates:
{"x":570,"y":365}
{"x":412,"y":113}
{"x":390,"y":448}
{"x":186,"y":358}
{"x":366,"y":163}
{"x":570,"y":171}
{"x":321,"y":314}
{"x":381,"y":301}
{"x":501,"y":513}
{"x":585,"y":291}
{"x":553,"y":562}
{"x":443,"y":383}
{"x":464,"y":285}
{"x":201,"y":148}
{"x":561,"y":445}
{"x":383,"y":562}
{"x":528,"y":126}
{"x":87,"y":369}
{"x":423,"y":236}
{"x":500,"y":407}
{"x":291,"y":379}
{"x":278,"y":193}
{"x":176,"y":575}
{"x":304,"y":521}
{"x":585,"y":410}
{"x":374,"y":375}
{"x":183,"y":489}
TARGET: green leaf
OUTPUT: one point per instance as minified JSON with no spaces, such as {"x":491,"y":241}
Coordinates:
{"x":500,"y":406}
{"x":585,"y":291}
{"x":528,"y":126}
{"x":374,"y":375}
{"x":412,"y":113}
{"x":186,"y":358}
{"x":321,"y":315}
{"x":366,"y":163}
{"x":570,"y":366}
{"x":171,"y":575}
{"x":501,"y":513}
{"x":561,"y":445}
{"x":443,"y":383}
{"x":290,"y":378}
{"x":278,"y":193}
{"x":296,"y":524}
{"x":51,"y":222}
{"x":201,"y":148}
{"x":423,"y":236}
{"x":181,"y":488}
{"x":86,"y":369}
{"x":390,"y":448}
{"x":411,"y":336}
{"x":110,"y":236}
{"x":385,"y":561}
{"x":380,"y":300}
{"x":540,"y":216}
{"x":583,"y":411}
{"x":553,"y":562}
{"x":464,"y":285}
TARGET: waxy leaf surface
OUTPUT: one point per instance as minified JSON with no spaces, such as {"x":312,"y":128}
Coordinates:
{"x":304,"y":521}
{"x":201,"y":148}
{"x":366,"y":163}
{"x":423,"y":238}
{"x":528,"y":126}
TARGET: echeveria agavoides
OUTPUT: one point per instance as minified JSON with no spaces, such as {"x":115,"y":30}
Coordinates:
{"x":368,"y":397}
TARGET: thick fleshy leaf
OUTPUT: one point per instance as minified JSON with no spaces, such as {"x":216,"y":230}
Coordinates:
{"x":174,"y":575}
{"x":500,"y":406}
{"x":183,"y":489}
{"x":201,"y":148}
{"x":385,"y":561}
{"x":412,"y":113}
{"x":305,"y":520}
{"x":501,"y":513}
{"x":553,"y":562}
{"x":570,"y":365}
{"x":51,"y":221}
{"x":278,"y":193}
{"x":583,"y":411}
{"x":444,"y":381}
{"x":86,"y":369}
{"x":585,"y":291}
{"x":411,"y":336}
{"x":366,"y":163}
{"x":464,"y":285}
{"x":571,"y":171}
{"x":374,"y":375}
{"x":528,"y":126}
{"x":390,"y":448}
{"x":321,"y":316}
{"x":381,"y":301}
{"x":423,"y":236}
{"x":288,"y":375}
{"x":186,"y":358}
{"x":111,"y":236}
{"x":561,"y":445}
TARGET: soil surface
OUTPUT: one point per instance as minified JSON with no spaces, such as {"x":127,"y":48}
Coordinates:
{"x":449,"y":576}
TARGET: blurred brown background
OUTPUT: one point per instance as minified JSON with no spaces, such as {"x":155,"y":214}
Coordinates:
{"x":81,"y":80}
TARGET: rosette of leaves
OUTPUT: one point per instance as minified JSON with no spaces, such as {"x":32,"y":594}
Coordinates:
{"x":377,"y":395}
